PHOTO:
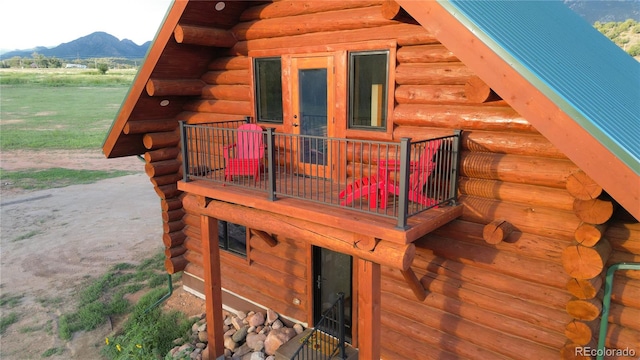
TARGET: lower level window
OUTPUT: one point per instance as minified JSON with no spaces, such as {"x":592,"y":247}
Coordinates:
{"x":232,"y":238}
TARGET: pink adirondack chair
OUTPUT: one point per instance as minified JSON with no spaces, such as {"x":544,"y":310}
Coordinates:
{"x":244,"y":158}
{"x":376,"y":188}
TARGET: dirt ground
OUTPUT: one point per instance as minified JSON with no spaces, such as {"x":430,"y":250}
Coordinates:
{"x":52,"y":241}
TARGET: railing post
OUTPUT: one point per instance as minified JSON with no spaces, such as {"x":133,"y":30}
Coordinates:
{"x":455,"y":163}
{"x":271,"y":167}
{"x":185,"y":157}
{"x":341,"y":330}
{"x":403,"y":195}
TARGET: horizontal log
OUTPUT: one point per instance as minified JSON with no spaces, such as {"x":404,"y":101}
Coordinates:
{"x":205,"y":36}
{"x":171,"y":204}
{"x":624,"y":236}
{"x":513,"y":143}
{"x":157,"y":140}
{"x":161,"y":154}
{"x":165,"y":167}
{"x":481,"y":256}
{"x":620,"y":337}
{"x":516,"y":169}
{"x":581,"y":332}
{"x":589,"y":234}
{"x":167,"y":191}
{"x":283,"y":265}
{"x":393,"y":11}
{"x":582,"y":187}
{"x":167,"y":179}
{"x":538,"y":221}
{"x":478,"y":92}
{"x":174,"y":87}
{"x":531,"y":195}
{"x":467,"y":330}
{"x":594,"y":211}
{"x":173,"y":239}
{"x":227,"y":77}
{"x":445,"y":73}
{"x":497,"y":231}
{"x":405,"y":338}
{"x":584,"y":309}
{"x":149,"y":126}
{"x":430,"y":94}
{"x":626,"y":292}
{"x":286,"y":249}
{"x":172,"y":215}
{"x":340,"y":240}
{"x":432,"y":53}
{"x":585,"y":288}
{"x":624,"y":316}
{"x":511,"y":286}
{"x":349,"y":19}
{"x":175,"y":264}
{"x":281,"y":9}
{"x":219,"y":106}
{"x":583,"y":262}
{"x":404,"y":34}
{"x":227,"y":92}
{"x":172,"y":226}
{"x":486,"y":118}
{"x":174,"y":251}
{"x":202,"y":118}
{"x":574,"y":351}
{"x":230,"y":63}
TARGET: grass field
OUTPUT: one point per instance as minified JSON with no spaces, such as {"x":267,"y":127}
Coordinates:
{"x":57,"y":110}
{"x":45,"y":109}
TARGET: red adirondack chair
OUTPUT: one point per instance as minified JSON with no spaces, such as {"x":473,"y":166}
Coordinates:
{"x":376,"y":188}
{"x":245,"y":156}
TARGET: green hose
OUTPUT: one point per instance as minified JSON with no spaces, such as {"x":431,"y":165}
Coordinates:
{"x":165,"y":297}
{"x":608,"y":286}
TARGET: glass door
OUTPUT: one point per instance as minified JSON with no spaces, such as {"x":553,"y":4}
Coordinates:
{"x":312,"y":93}
{"x":332,"y":274}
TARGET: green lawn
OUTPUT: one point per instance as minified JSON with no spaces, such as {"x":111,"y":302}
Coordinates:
{"x":66,"y":117}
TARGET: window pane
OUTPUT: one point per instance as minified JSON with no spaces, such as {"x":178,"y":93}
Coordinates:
{"x":268,"y":90}
{"x":368,"y":90}
{"x":232,"y":237}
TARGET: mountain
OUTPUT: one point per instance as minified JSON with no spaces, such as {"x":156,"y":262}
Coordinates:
{"x":605,"y":10}
{"x":96,"y":45}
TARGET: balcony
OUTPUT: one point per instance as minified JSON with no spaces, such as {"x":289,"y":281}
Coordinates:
{"x":391,"y":181}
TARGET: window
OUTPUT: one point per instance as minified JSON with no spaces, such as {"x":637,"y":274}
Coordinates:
{"x":232,"y":238}
{"x":368,"y":78}
{"x":268,"y":75}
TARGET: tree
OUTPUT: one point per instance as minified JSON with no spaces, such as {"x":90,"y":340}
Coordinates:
{"x":103,"y":68}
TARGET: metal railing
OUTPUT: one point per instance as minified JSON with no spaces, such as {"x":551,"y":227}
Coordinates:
{"x":390,"y":179}
{"x":327,"y":339}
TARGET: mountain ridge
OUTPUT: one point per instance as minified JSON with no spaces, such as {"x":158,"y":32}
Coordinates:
{"x":98,"y":44}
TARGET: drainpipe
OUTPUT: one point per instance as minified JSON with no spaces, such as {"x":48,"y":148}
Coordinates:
{"x":606,"y":302}
{"x":165,"y":297}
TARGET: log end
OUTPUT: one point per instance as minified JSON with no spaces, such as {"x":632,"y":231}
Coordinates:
{"x":497,"y":231}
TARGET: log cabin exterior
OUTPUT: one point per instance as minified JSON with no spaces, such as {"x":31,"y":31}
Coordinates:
{"x":546,"y":194}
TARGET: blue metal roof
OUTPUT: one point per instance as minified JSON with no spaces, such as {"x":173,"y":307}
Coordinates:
{"x":584,"y":73}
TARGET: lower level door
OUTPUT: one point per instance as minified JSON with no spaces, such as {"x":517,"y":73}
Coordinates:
{"x":332,"y":274}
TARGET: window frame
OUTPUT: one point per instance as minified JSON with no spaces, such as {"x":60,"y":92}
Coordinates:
{"x":351,"y":76}
{"x":223,"y":242}
{"x":257,"y":91}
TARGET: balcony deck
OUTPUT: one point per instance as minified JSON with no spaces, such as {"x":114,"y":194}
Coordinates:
{"x":366,"y":223}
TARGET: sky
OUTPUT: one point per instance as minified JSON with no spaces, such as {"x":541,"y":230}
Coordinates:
{"x":25,"y":24}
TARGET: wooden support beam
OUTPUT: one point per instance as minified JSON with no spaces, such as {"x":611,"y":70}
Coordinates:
{"x":212,"y":286}
{"x":266,"y":237}
{"x":147,"y":126}
{"x":200,"y":35}
{"x":369,"y":303}
{"x":414,"y":283}
{"x":158,"y":140}
{"x":174,"y":87}
{"x":478,"y":92}
{"x":391,"y":10}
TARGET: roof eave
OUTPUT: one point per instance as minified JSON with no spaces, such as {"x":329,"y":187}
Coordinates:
{"x":164,"y":34}
{"x":615,"y":176}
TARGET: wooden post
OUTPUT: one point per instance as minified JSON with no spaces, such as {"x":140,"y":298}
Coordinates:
{"x":368,"y":309}
{"x":212,"y":286}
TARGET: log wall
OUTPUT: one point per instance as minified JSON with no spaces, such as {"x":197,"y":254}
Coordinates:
{"x":526,"y":296}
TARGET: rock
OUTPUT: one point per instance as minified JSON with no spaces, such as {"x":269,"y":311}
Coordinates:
{"x":256,"y":341}
{"x":230,"y":332}
{"x":277,"y":325}
{"x":270,"y":357}
{"x":257,"y":356}
{"x":205,"y":353}
{"x":203,"y":336}
{"x":241,"y":314}
{"x":229,"y":343}
{"x":237,"y":323}
{"x":241,"y":351}
{"x":201,"y":345}
{"x":271,"y":316}
{"x":240,"y":335}
{"x":298,"y":328}
{"x":202,"y":327}
{"x":276,"y":338}
{"x":256,"y":319}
